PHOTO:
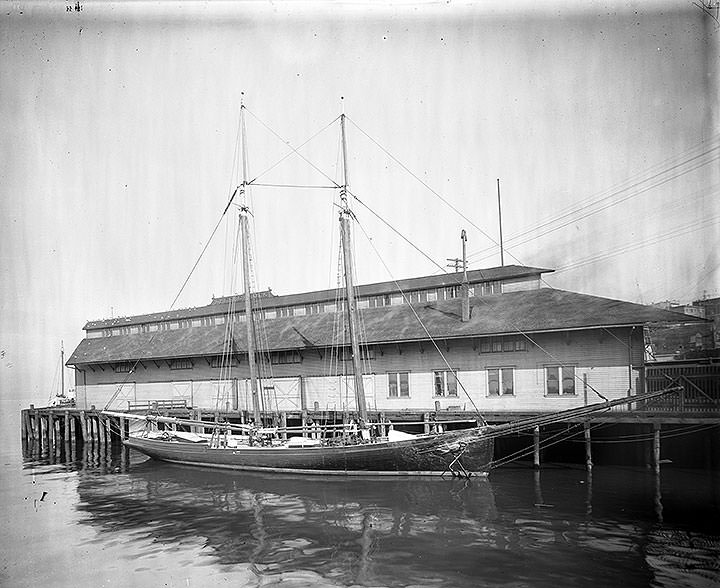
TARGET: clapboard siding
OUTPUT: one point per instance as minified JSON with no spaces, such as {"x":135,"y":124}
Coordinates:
{"x":611,"y":362}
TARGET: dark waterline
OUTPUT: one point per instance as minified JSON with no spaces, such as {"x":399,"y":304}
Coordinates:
{"x":98,"y":517}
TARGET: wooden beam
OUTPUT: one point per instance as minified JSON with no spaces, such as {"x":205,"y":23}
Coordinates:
{"x":536,"y":447}
{"x":656,"y":447}
{"x":588,"y":447}
{"x":83,"y":426}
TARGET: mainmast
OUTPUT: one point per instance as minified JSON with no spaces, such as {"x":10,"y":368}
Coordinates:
{"x":351,"y":306}
{"x":245,"y":243}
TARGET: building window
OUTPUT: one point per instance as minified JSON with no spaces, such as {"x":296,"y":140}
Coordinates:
{"x":487,"y":288}
{"x":504,"y":344}
{"x":122,"y":368}
{"x":560,"y":380}
{"x":399,"y":384}
{"x":220,"y":361}
{"x":291,"y":356}
{"x":500,"y":381}
{"x":445,"y":383}
{"x":366,"y":353}
{"x":181,"y":364}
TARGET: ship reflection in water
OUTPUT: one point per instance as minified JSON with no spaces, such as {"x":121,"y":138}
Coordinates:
{"x":558,"y":527}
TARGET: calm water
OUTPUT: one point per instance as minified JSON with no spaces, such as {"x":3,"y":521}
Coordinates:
{"x":101,"y":519}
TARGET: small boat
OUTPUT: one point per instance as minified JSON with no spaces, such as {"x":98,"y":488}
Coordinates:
{"x":361,"y":448}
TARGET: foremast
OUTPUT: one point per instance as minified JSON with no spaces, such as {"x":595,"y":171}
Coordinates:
{"x":245,"y":245}
{"x":351,"y":307}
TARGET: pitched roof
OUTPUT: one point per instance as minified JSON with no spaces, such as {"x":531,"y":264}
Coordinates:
{"x":268,"y":300}
{"x":529,"y":311}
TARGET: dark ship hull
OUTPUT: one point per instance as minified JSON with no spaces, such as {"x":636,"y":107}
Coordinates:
{"x":461,"y":452}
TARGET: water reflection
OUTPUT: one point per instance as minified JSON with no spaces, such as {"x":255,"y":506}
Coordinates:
{"x":548,"y":528}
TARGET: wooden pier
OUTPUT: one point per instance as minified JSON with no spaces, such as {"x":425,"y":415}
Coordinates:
{"x":653,"y":431}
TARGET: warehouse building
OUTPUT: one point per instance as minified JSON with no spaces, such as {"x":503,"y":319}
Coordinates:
{"x":518,"y":347}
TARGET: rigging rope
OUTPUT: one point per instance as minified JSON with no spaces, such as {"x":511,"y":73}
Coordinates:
{"x":480,"y":298}
{"x":432,"y":340}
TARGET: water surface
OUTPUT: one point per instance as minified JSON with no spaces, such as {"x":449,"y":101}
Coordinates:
{"x":99,"y":518}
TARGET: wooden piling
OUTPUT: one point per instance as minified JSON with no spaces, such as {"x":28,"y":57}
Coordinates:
{"x":23,"y":425}
{"x":122,"y":429}
{"x":108,"y":431}
{"x":66,"y":434}
{"x":35,"y":423}
{"x":426,"y":422}
{"x":73,"y":430}
{"x":536,"y":447}
{"x":83,"y":426}
{"x":588,"y":447}
{"x":50,"y":430}
{"x":656,"y":447}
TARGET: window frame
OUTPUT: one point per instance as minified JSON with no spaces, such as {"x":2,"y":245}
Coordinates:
{"x":501,"y":380}
{"x":398,"y":377}
{"x":445,"y":392}
{"x":560,"y":375}
{"x":184,"y":363}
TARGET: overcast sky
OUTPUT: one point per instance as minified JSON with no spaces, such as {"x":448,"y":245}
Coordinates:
{"x":120,"y":124}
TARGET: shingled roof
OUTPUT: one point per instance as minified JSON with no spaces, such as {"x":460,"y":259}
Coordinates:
{"x":531,"y":311}
{"x":219,"y":306}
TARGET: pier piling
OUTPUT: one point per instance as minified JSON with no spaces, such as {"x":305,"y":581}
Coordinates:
{"x":588,"y":447}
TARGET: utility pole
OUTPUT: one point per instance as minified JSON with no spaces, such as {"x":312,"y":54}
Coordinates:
{"x":457,"y":263}
{"x":502,"y":258}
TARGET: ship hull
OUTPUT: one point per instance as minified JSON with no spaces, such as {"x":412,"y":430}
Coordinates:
{"x":454,"y":453}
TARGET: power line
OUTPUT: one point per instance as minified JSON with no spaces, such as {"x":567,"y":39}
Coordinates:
{"x":529,"y":236}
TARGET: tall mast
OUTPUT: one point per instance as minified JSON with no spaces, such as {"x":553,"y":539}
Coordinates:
{"x":351,"y":306}
{"x":245,"y":238}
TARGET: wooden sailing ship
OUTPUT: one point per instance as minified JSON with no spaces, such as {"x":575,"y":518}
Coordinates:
{"x":358,"y":448}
